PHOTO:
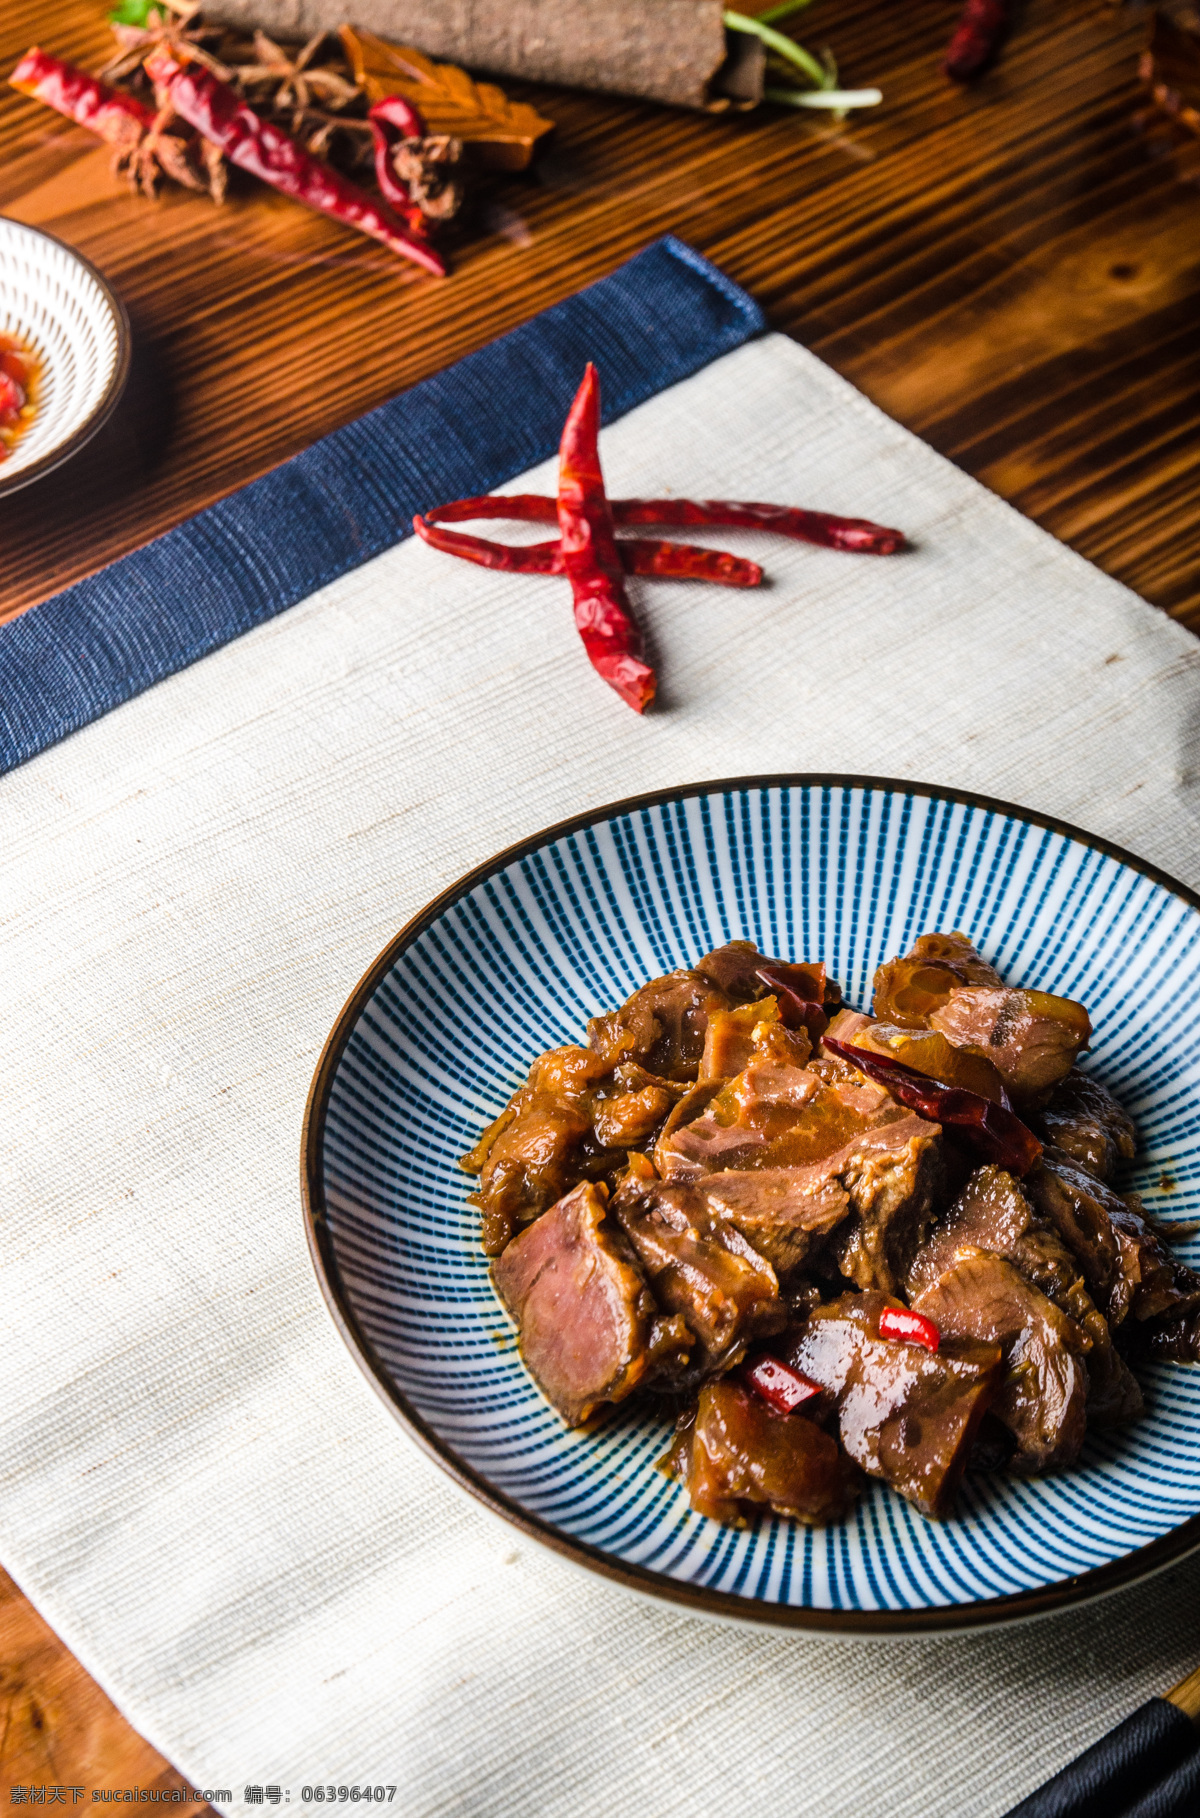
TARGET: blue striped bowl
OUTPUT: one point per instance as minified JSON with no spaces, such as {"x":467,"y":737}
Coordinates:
{"x":518,"y":955}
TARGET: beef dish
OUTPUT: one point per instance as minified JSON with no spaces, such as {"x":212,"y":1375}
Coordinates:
{"x":912,"y":1217}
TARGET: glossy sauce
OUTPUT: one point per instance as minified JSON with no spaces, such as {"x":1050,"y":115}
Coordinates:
{"x":19,"y":377}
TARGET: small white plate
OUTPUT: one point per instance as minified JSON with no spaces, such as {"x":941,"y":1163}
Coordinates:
{"x":61,"y":308}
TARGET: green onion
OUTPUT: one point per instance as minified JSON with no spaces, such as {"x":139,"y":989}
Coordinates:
{"x":783,"y":47}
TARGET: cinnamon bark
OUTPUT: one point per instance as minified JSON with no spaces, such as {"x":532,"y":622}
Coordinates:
{"x":676,"y":51}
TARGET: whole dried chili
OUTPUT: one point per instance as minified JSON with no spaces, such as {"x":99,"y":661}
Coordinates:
{"x":593,"y":565}
{"x":781,"y":1387}
{"x":639,"y":555}
{"x":857,"y":535}
{"x":105,"y":111}
{"x":994,"y":1129}
{"x":977,"y":38}
{"x":908,"y":1328}
{"x":393,"y":120}
{"x":220,"y":115}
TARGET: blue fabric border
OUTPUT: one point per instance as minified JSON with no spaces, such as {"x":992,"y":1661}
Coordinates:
{"x":664,"y":315}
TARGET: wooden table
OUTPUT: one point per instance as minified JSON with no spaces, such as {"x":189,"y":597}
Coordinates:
{"x":1012,"y":271}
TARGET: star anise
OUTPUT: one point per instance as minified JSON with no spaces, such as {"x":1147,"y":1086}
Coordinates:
{"x":146,"y":158}
{"x":173,"y":27}
{"x":429,"y":168}
{"x":298,"y":85}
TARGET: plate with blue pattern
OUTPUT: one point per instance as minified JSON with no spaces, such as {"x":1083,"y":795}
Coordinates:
{"x":517,"y":956}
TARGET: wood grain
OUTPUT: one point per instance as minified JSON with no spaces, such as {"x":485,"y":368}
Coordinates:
{"x":57,"y":1728}
{"x":1010,"y":270}
{"x":1013,"y":271}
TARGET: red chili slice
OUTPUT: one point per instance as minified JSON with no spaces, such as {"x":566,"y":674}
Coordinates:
{"x":781,"y":1387}
{"x":991,"y":1128}
{"x":909,"y":1328}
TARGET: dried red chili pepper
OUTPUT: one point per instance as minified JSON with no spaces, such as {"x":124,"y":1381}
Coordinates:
{"x":220,"y":115}
{"x":593,"y":566}
{"x":909,"y":1328}
{"x":105,"y":111}
{"x":991,"y":1128}
{"x":781,"y":1387}
{"x":854,"y":534}
{"x":977,"y":38}
{"x":393,"y":120}
{"x":516,"y":507}
{"x":639,"y":555}
{"x":821,"y":527}
{"x":800,"y":994}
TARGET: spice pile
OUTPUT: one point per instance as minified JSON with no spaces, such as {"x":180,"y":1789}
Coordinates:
{"x":588,"y":553}
{"x":182,"y":101}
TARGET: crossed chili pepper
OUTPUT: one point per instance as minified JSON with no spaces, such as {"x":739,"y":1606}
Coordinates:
{"x":588,"y":553}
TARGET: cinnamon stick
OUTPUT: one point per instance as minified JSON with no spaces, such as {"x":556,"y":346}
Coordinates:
{"x":677,"y":51}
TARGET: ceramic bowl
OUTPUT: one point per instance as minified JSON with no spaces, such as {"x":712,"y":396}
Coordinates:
{"x":516,"y":957}
{"x":60,"y":306}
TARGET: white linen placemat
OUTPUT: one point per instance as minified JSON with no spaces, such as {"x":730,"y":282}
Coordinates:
{"x":196,"y":1486}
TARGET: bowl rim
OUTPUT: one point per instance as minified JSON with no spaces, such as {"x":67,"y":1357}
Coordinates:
{"x":107,"y":402}
{"x":1077,"y":1588}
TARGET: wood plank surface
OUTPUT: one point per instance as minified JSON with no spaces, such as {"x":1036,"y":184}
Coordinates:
{"x":1013,"y":271}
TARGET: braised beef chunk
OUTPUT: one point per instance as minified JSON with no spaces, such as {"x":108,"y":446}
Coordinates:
{"x":909,"y":988}
{"x":780,"y":1211}
{"x":992,"y":1213}
{"x":1042,"y":1397}
{"x":1030,"y":1037}
{"x":1173,"y":1337}
{"x":1083,"y":1120}
{"x":700,"y":1266}
{"x":748,"y":1033}
{"x":540,"y":1146}
{"x":737,"y":1457}
{"x":705,"y":1181}
{"x":849,"y":1135}
{"x":590,"y":1331}
{"x":905,"y":1414}
{"x":929,"y":1052}
{"x":661,"y":1027}
{"x":733,"y":969}
{"x":1124,"y":1261}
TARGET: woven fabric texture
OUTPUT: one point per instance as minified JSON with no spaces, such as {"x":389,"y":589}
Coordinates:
{"x":196,"y":1486}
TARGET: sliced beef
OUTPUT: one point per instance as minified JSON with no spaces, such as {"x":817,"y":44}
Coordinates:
{"x":590,"y":1331}
{"x":1042,"y":1398}
{"x":700,"y":1266}
{"x":909,"y":988}
{"x":1124,"y":1261}
{"x":662,"y":1026}
{"x":540,"y":1146}
{"x":736,"y":1457}
{"x":1030,"y":1037}
{"x":846,"y":1133}
{"x":904,"y":1414}
{"x":1083,"y":1120}
{"x":891,"y":1174}
{"x":992,"y":1213}
{"x":786,"y":1213}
